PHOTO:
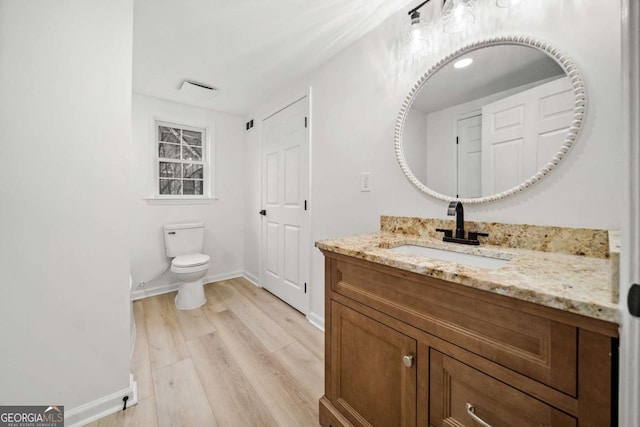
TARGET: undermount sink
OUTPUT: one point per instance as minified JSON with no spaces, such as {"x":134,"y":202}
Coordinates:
{"x":457,"y":257}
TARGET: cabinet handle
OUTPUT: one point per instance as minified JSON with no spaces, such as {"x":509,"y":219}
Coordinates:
{"x":408,"y":360}
{"x":471,"y":410}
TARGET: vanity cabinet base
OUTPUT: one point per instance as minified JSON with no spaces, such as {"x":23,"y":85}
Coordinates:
{"x":330,"y":416}
{"x":403,"y":349}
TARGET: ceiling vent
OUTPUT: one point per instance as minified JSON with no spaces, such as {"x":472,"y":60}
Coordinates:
{"x":197,"y":90}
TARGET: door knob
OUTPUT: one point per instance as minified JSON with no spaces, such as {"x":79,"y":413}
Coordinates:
{"x":633,"y":300}
{"x":408,"y":360}
{"x":263,"y":212}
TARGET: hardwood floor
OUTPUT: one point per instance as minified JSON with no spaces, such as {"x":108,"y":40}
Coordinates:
{"x":243,"y":359}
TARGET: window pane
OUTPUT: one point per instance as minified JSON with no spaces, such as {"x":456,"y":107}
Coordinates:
{"x":168,"y":151}
{"x":191,"y":153}
{"x":192,"y":186}
{"x":193,"y":171}
{"x":170,"y":186}
{"x":192,"y":137}
{"x":168,"y":134}
{"x":170,"y":170}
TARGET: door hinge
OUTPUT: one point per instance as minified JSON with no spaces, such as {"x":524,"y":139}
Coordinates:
{"x":457,"y":141}
{"x":633,"y":300}
{"x":305,"y":121}
{"x":305,"y":287}
{"x":305,"y":205}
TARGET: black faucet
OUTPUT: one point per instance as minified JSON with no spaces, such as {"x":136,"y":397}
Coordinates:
{"x":455,"y":208}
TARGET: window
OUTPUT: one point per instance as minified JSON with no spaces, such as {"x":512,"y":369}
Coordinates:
{"x":182,"y":163}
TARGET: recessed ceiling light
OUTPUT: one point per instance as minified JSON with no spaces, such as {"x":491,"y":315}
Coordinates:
{"x":463,"y":63}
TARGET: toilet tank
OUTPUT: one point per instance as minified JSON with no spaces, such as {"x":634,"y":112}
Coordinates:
{"x":181,"y":239}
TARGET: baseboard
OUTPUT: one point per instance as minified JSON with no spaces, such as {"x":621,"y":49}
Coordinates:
{"x":251,"y":278}
{"x":132,"y":326}
{"x":159,"y":290}
{"x":103,"y":407}
{"x":141,"y":293}
{"x":316,"y":321}
{"x":223,"y":276}
{"x":133,"y":334}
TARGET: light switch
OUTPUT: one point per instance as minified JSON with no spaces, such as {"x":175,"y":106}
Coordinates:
{"x":365,"y":181}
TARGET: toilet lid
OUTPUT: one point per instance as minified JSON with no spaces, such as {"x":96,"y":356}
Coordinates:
{"x":190,"y":260}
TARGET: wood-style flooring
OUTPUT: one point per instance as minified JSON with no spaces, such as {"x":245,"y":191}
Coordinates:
{"x":243,"y":359}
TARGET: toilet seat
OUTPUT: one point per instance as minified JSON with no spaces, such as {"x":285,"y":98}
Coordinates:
{"x":190,"y":260}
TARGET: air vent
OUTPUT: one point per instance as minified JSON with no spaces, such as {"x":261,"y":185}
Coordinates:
{"x":197,"y":90}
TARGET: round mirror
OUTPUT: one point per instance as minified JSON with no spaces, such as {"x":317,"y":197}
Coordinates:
{"x":490,"y":120}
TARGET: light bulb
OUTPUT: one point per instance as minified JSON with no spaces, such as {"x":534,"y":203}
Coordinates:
{"x":457,"y":15}
{"x":416,"y":35}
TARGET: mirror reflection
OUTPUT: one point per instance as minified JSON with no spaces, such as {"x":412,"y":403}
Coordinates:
{"x":488,"y":120}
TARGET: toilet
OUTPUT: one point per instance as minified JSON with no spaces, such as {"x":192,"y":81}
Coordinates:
{"x":184,"y":243}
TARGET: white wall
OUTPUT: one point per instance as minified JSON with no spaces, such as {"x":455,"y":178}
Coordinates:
{"x":65,"y":115}
{"x":416,"y":143}
{"x":357,"y":97}
{"x":222,"y":217}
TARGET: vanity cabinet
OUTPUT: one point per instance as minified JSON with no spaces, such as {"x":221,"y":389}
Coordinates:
{"x":367,"y":381}
{"x":404,"y":349}
{"x":454,"y":386}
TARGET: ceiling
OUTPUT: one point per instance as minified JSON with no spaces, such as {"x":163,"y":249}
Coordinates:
{"x":245,"y":48}
{"x":494,"y":69}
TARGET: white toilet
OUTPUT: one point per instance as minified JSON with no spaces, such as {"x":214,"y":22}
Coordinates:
{"x":184,"y":243}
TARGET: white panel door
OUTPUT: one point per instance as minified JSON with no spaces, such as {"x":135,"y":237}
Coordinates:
{"x":555,"y":114}
{"x":522,"y":133}
{"x":469,"y":146}
{"x":503,"y":134}
{"x":285,"y":224}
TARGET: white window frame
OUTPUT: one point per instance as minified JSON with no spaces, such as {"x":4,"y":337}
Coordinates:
{"x":207,"y":148}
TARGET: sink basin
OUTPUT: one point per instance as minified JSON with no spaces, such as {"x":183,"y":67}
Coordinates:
{"x":457,"y":257}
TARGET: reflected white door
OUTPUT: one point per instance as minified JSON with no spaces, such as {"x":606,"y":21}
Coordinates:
{"x":469,"y":145}
{"x":285,"y":189}
{"x":522,"y":132}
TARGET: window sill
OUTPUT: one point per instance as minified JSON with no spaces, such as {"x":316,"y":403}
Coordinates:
{"x":180,"y":201}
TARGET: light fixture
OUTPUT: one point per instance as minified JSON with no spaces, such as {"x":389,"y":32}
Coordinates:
{"x":416,"y":35}
{"x":507,"y":3}
{"x":458,"y":15}
{"x":464,"y":62}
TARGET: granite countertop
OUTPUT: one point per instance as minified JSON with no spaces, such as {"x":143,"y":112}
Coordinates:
{"x":577,"y":284}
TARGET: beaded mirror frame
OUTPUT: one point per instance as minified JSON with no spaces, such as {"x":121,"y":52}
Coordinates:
{"x":580,"y":108}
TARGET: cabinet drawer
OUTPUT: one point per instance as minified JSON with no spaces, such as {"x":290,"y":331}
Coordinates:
{"x":537,"y":347}
{"x":454,"y":386}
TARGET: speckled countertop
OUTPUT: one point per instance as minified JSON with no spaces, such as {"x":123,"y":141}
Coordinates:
{"x":577,"y":284}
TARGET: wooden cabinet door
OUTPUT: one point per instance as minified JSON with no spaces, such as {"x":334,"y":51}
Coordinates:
{"x":457,"y":389}
{"x":370,"y":383}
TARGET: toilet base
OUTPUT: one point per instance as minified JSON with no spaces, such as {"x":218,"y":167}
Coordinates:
{"x":190,"y":295}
